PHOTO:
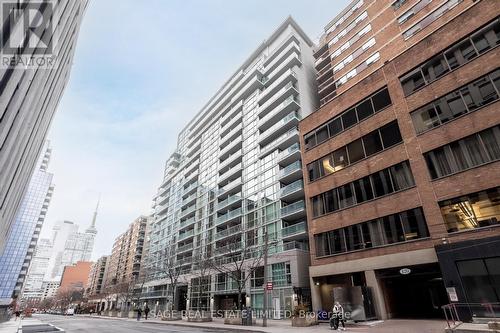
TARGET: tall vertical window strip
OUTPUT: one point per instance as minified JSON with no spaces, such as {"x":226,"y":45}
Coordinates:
{"x":458,"y":54}
{"x":472,"y":211}
{"x":370,"y":144}
{"x":392,"y":229}
{"x":367,"y":107}
{"x":393,"y":179}
{"x":468,"y":98}
{"x":467,"y":153}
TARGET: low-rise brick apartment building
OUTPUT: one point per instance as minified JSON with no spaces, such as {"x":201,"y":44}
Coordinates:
{"x":75,"y":277}
{"x":122,"y":267}
{"x":401,"y":161}
{"x":98,"y":271}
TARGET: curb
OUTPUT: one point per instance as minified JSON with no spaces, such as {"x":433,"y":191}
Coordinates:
{"x":230,"y":327}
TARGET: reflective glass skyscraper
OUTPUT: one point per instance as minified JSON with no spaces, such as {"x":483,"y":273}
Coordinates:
{"x":29,"y":95}
{"x":22,"y":240}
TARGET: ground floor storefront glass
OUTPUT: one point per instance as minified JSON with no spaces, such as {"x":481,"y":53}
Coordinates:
{"x":471,"y":270}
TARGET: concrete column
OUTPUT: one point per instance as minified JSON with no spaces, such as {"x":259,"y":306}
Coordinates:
{"x":315,"y":296}
{"x":213,"y":280}
{"x":248,"y":289}
{"x":377,"y":293}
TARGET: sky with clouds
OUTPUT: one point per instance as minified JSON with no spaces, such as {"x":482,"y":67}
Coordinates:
{"x":142,"y":70}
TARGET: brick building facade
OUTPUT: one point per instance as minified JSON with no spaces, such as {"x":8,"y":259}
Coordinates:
{"x":401,"y":161}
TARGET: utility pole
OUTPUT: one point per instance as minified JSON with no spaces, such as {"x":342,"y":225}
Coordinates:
{"x":266,"y":241}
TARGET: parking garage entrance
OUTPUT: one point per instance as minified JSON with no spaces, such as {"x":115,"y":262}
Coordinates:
{"x":415,"y":292}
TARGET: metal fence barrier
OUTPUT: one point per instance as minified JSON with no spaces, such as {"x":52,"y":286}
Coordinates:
{"x":456,"y":313}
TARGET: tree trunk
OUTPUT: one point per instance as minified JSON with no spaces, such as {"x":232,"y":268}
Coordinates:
{"x":240,"y":307}
{"x":174,"y":303}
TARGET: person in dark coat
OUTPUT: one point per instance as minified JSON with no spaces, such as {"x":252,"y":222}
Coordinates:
{"x":146,"y":312}
{"x":139,"y":314}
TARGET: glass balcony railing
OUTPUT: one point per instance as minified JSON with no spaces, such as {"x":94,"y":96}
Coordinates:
{"x":228,"y":232}
{"x":186,"y":247}
{"x":273,"y":130}
{"x":293,"y":208}
{"x":275,"y":98}
{"x":230,"y":134}
{"x":187,"y":222}
{"x":290,"y":150}
{"x":231,"y":145}
{"x":278,"y":58}
{"x":155,"y":294}
{"x":270,"y":91}
{"x":295,"y":245}
{"x":188,"y":210}
{"x":230,"y":113}
{"x":187,"y":234}
{"x":271,"y":146}
{"x":294,"y":167}
{"x":190,"y":188}
{"x":231,"y":127}
{"x":290,"y":61}
{"x":228,"y":216}
{"x":234,"y":247}
{"x":230,"y":186}
{"x":229,"y":200}
{"x":231,"y":158}
{"x":294,"y":229}
{"x":230,"y":172}
{"x":189,"y":199}
{"x":185,"y":261}
{"x":293,"y":187}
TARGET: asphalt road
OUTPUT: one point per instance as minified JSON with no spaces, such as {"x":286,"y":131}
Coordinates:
{"x":95,"y":325}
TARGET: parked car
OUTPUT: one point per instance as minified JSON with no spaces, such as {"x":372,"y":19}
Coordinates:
{"x":70,"y":312}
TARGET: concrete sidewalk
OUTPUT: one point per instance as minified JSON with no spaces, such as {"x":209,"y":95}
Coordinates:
{"x":285,"y":326}
{"x":12,"y":326}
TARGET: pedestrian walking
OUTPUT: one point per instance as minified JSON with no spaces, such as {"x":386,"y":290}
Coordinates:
{"x":139,"y":314}
{"x":146,"y":312}
{"x":18,"y":314}
{"x":337,"y":317}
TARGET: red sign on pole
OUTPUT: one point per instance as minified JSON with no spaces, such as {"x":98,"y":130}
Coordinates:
{"x":269,"y":286}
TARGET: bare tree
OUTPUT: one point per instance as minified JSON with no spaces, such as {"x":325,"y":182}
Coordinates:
{"x":202,"y":270}
{"x":169,"y":268}
{"x":238,"y":260}
{"x":46,"y":304}
{"x":65,"y":297}
{"x":123,"y":292}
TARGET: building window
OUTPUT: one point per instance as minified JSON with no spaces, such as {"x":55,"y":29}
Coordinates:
{"x":396,"y":178}
{"x":480,"y":279}
{"x":356,"y":151}
{"x":347,"y":29}
{"x":429,"y":19}
{"x":373,"y":104}
{"x":477,"y":210}
{"x":372,"y":143}
{"x":468,"y":98}
{"x":413,"y":11}
{"x":397,"y":4}
{"x":469,"y":152}
{"x":455,"y":56}
{"x":397,"y":228}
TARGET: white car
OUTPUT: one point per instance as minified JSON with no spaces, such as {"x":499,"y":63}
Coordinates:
{"x":70,"y":312}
